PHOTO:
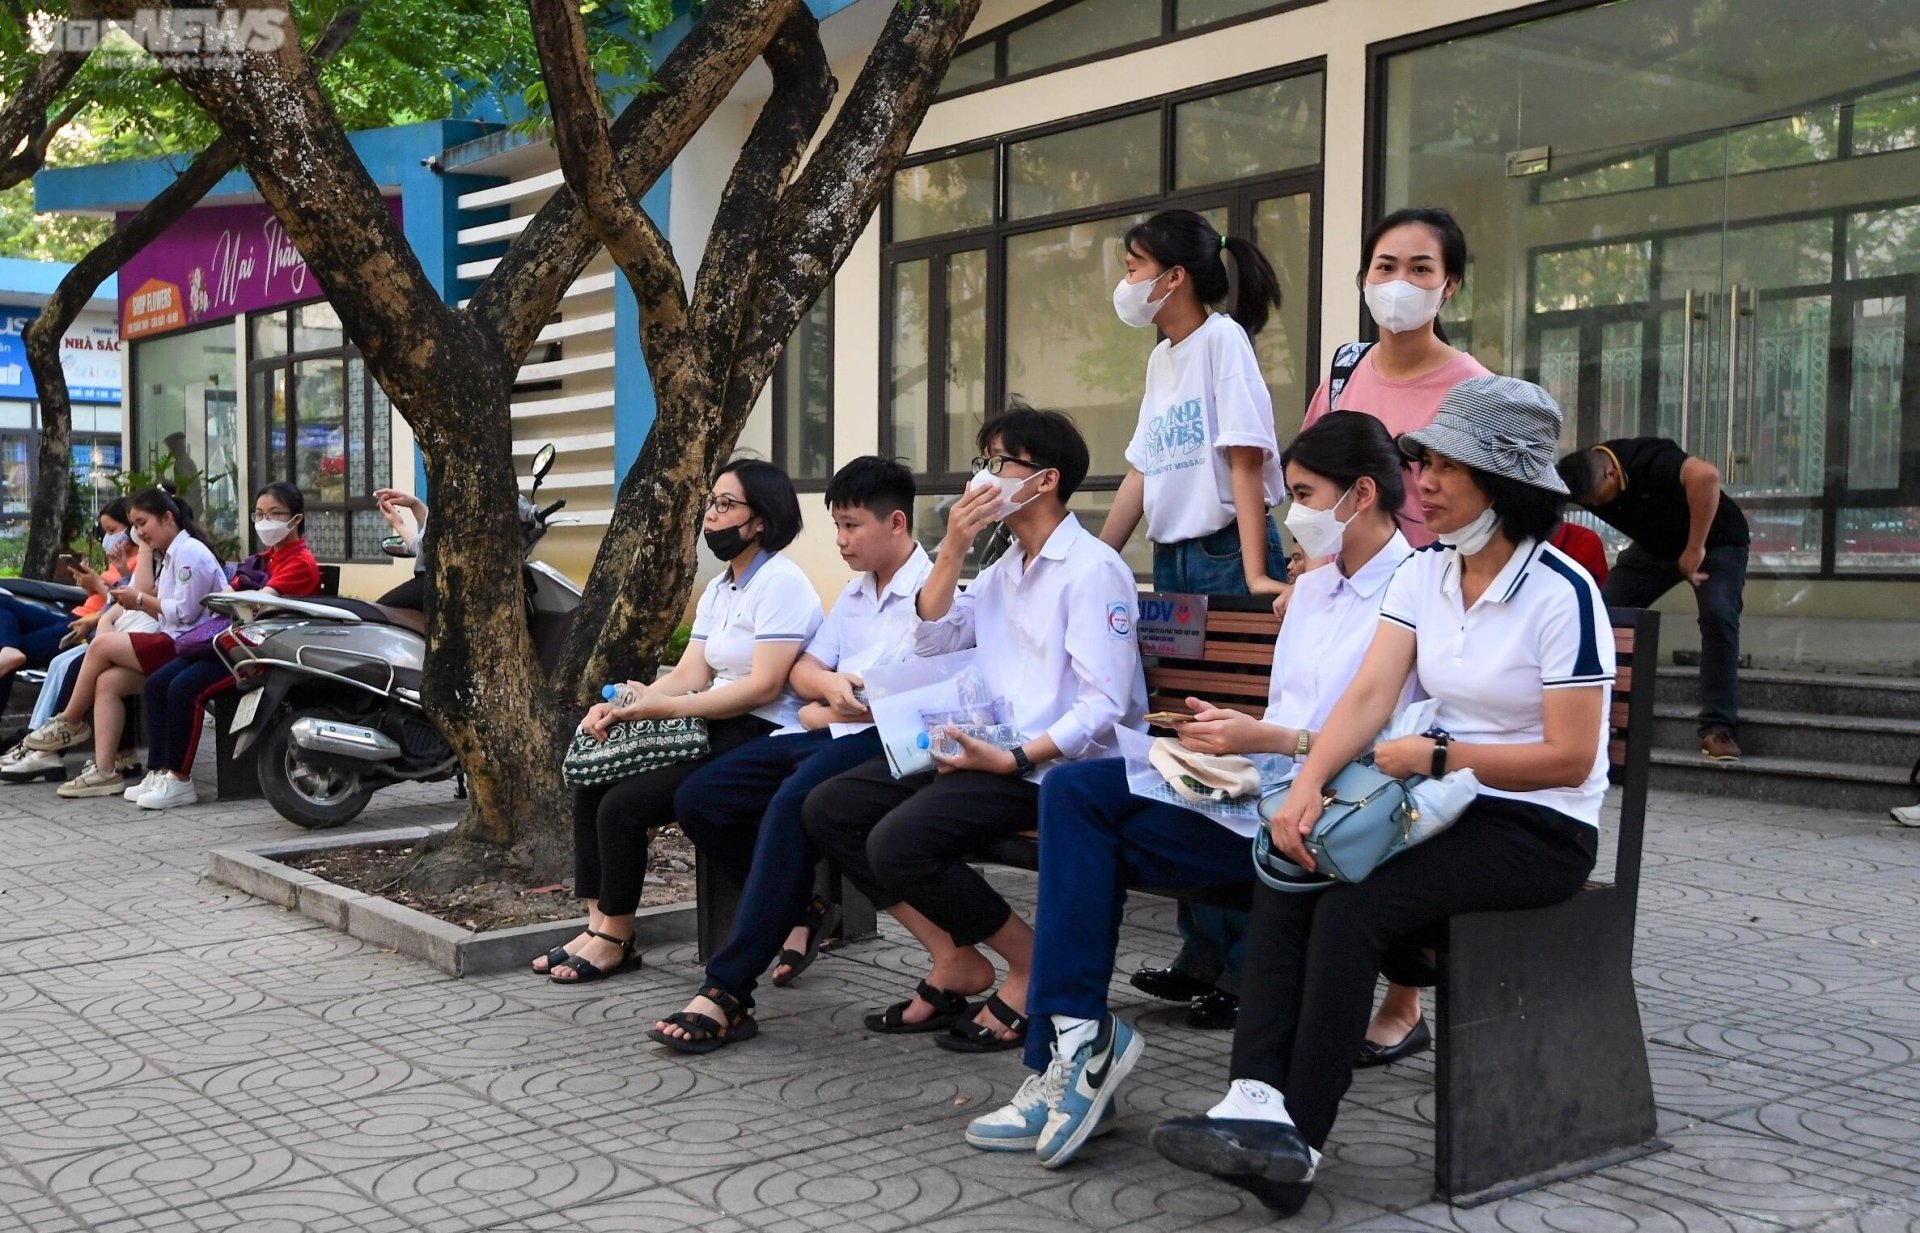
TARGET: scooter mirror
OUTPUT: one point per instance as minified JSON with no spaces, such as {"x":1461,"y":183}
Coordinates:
{"x":542,"y":462}
{"x":396,"y":546}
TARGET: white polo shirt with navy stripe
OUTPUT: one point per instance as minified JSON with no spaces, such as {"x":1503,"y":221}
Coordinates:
{"x":1540,"y":625}
{"x":772,"y":602}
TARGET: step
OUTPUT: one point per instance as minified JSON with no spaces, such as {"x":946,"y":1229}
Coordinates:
{"x":1811,"y":693}
{"x":1856,"y":740}
{"x":1784,"y":781}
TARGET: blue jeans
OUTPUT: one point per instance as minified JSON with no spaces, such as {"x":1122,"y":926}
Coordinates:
{"x":1213,"y":939}
{"x":1211,"y":565}
{"x":32,"y":629}
{"x":1639,"y":579}
{"x":742,"y":810}
{"x":1095,"y":838}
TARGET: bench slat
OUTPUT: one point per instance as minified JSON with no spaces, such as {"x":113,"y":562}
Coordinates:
{"x":1202,"y":682}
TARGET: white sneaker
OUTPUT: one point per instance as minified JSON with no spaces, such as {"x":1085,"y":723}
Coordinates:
{"x":1908,"y":815}
{"x":169,"y":792}
{"x":57,"y":734}
{"x":34,"y":764}
{"x":140,"y":789}
{"x":92,"y":781}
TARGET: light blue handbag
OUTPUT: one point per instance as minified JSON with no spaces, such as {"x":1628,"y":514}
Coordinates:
{"x":1368,"y":819}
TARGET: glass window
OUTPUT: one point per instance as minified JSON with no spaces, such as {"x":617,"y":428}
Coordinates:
{"x":954,"y":194}
{"x":1283,"y":230}
{"x":1065,"y":349}
{"x":1191,"y":14}
{"x":1882,"y":540}
{"x":1785,"y":539}
{"x":803,"y":396}
{"x":1623,"y":176}
{"x":1877,"y":339}
{"x":1590,"y":276}
{"x":966,"y":366}
{"x":1115,"y":161}
{"x":907,"y":397}
{"x":1085,"y":29}
{"x":182,"y":381}
{"x":1257,"y":131}
{"x":1884,"y":242}
{"x":969,"y":68}
{"x":316,"y":327}
{"x":320,"y":430}
{"x":269,"y":335}
{"x":1780,"y":254}
{"x":1883,"y":123}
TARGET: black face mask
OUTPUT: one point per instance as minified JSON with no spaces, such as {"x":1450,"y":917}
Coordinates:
{"x":726,"y":543}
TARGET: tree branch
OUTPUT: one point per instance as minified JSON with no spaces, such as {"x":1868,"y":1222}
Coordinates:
{"x":25,"y":131}
{"x":827,"y":208}
{"x":803,"y":89}
{"x":518,"y":298}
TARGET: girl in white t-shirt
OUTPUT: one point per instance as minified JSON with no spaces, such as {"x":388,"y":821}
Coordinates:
{"x":1203,"y":464}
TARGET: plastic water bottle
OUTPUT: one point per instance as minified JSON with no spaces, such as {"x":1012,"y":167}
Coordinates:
{"x":943,"y":744}
{"x":619,"y":695}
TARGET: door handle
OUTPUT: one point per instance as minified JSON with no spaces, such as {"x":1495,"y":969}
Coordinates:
{"x":1686,"y":365}
{"x":1734,"y":314}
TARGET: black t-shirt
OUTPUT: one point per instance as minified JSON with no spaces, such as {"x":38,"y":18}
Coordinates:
{"x":1651,"y":509}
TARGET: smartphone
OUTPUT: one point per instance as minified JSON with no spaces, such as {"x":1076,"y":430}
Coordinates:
{"x":65,"y":561}
{"x":1169,"y":719}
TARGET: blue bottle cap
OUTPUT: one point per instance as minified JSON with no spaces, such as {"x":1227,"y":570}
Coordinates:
{"x":609,"y":692}
{"x":923,"y":741}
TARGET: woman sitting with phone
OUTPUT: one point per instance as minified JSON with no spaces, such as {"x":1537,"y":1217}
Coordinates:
{"x":30,"y":636}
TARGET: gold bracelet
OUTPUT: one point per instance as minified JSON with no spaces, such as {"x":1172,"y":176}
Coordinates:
{"x":1301,"y":744}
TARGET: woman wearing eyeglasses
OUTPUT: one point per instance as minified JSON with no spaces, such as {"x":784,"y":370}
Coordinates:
{"x":750,"y":625}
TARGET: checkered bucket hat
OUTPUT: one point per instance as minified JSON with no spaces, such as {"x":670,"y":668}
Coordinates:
{"x":1500,"y":425}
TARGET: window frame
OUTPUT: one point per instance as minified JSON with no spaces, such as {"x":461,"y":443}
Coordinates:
{"x":259,"y":453}
{"x":1235,"y":195}
{"x":1169,"y":33}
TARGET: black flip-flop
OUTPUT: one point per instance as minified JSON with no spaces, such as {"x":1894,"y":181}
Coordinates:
{"x":948,"y":1008}
{"x":823,"y":919}
{"x":971,"y":1037}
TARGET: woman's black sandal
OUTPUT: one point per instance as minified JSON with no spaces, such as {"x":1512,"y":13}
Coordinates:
{"x":971,"y":1037}
{"x":704,"y":1033}
{"x":948,"y":1008}
{"x":586,"y":971}
{"x":555,"y":957}
{"x":821,"y":920}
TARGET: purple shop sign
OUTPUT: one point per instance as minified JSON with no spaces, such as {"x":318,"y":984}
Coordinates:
{"x":213,"y":264}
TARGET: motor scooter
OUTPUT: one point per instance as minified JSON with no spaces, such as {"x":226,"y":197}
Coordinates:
{"x":330,"y":688}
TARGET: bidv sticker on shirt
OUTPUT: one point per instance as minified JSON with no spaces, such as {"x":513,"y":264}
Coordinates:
{"x":1177,"y":438}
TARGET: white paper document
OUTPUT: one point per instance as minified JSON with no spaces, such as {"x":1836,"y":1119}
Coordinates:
{"x":1242,"y":817}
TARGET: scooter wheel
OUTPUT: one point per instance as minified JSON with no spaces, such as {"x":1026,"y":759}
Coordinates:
{"x":306,"y":796}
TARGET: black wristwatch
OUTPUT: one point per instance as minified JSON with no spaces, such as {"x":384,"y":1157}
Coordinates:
{"x":1022,"y":765}
{"x":1440,"y":739}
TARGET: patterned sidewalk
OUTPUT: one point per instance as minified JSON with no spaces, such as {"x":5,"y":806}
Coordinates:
{"x":177,"y":1057}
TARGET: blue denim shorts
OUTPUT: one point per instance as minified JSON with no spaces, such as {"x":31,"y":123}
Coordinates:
{"x":1211,"y":564}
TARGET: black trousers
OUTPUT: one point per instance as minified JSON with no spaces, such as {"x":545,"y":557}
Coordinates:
{"x":905,"y":840}
{"x":1312,"y":958}
{"x":610,"y":821}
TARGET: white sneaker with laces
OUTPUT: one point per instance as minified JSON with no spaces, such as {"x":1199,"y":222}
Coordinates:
{"x":168,"y":792}
{"x":140,"y":789}
{"x":92,"y":781}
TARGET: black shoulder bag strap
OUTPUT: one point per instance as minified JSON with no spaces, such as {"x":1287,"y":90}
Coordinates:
{"x":1345,"y":360}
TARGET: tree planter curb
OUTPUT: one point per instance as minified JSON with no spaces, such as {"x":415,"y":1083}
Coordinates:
{"x":448,"y":947}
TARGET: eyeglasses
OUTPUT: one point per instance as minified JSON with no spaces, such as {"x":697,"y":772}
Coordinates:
{"x":994,"y":465}
{"x":274,"y":515}
{"x":722,"y":504}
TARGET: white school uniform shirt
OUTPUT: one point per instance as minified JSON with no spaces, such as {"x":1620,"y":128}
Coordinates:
{"x":1540,"y":625}
{"x":1330,"y":623}
{"x":772,"y":602}
{"x":1056,"y":641}
{"x":1202,"y":396}
{"x":185,"y":575}
{"x":869,"y":626}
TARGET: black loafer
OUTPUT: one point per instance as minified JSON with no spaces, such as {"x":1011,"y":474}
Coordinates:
{"x":1419,"y":1040}
{"x":1214,"y":1011}
{"x":1280,"y":1198}
{"x":1169,"y":984}
{"x":1236,"y":1148}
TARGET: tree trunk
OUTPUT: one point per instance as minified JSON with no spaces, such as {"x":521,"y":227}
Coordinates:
{"x":25,"y":130}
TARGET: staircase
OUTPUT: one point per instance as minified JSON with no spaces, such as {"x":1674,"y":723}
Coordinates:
{"x":1809,"y":738}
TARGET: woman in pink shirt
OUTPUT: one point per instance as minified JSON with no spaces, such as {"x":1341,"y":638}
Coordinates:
{"x":1416,"y":261}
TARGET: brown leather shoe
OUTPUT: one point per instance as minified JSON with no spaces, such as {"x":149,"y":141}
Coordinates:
{"x":1719,"y":746}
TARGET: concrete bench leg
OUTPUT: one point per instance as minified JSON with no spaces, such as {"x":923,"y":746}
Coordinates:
{"x":1542,"y":1064}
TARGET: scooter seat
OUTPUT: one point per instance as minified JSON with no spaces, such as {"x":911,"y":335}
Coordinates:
{"x":43,"y":592}
{"x":370,"y":613}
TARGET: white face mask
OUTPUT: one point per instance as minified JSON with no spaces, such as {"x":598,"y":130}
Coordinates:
{"x":1400,"y":306}
{"x":1475,"y":536}
{"x":1317,"y":531}
{"x":114,"y":541}
{"x":272,"y":530}
{"x":1008,"y":485}
{"x":1133,"y":304}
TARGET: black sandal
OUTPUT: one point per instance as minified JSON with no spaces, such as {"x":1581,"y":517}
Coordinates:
{"x":704,"y":1032}
{"x":971,"y":1037}
{"x":821,"y":920}
{"x":948,"y":1007}
{"x":555,"y":957}
{"x":586,"y":971}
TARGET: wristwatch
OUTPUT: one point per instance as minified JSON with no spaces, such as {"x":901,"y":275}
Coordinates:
{"x":1022,"y":765}
{"x":1440,"y":739}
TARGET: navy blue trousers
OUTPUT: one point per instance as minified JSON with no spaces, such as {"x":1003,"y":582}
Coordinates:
{"x":175,"y":697}
{"x":32,"y":629}
{"x":1095,"y":838}
{"x":743,"y":811}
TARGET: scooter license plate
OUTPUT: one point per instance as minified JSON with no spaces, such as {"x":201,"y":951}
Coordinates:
{"x":244,"y":713}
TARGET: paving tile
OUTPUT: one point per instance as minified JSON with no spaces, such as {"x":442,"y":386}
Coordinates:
{"x":26,"y":1208}
{"x":135,"y":1180}
{"x":495,"y":1181}
{"x":318,"y":1206}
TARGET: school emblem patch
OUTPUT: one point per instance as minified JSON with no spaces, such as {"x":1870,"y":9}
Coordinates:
{"x":1120,"y":620}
